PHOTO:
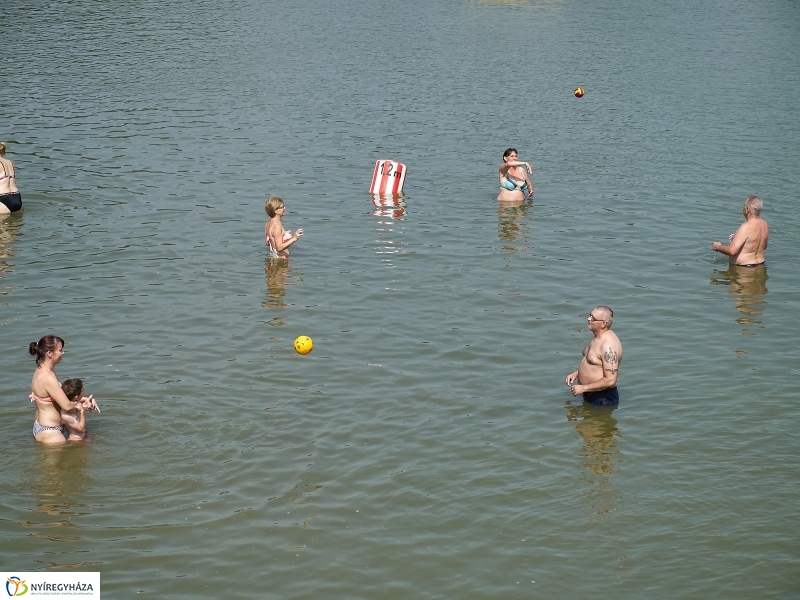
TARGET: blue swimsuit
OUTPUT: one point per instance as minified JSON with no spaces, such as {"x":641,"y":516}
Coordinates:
{"x":511,"y":185}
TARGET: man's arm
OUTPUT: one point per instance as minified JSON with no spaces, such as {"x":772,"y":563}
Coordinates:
{"x":610,"y":357}
{"x":736,"y":245}
{"x":572,"y":377}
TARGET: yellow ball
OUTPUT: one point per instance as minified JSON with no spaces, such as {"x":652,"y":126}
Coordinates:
{"x":578,"y":92}
{"x":303,"y":344}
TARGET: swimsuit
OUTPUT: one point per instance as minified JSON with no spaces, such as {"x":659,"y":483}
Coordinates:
{"x":12,"y":200}
{"x":273,"y":249}
{"x":34,"y":397}
{"x":764,"y":264}
{"x":5,"y":173}
{"x":607,"y":397}
{"x":37,"y":429}
{"x":511,"y":185}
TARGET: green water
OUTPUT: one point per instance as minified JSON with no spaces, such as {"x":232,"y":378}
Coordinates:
{"x":428,"y":446}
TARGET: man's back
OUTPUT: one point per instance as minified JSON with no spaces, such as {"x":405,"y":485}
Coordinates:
{"x":753,"y":235}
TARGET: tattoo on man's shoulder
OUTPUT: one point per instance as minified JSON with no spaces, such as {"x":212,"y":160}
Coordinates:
{"x":610,"y":356}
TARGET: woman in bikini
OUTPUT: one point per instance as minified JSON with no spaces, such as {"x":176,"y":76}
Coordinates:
{"x":276,"y":237}
{"x":47,"y":394}
{"x":514,"y":181}
{"x":10,"y":200}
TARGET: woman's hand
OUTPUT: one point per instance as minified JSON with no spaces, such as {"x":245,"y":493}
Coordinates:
{"x":528,"y":166}
{"x":298,"y":233}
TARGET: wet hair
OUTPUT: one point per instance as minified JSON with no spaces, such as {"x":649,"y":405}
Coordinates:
{"x":48,"y":343}
{"x":273,"y":204}
{"x":2,"y":148}
{"x":73,"y":388}
{"x":509,"y":151}
{"x":609,"y":314}
{"x":754,"y":205}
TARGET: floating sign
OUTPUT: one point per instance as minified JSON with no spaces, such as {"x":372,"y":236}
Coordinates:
{"x":388,"y":177}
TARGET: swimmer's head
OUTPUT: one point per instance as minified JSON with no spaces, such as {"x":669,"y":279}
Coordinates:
{"x":48,"y":343}
{"x":273,"y":204}
{"x":2,"y":148}
{"x":606,"y":313}
{"x":73,"y":389}
{"x":508,"y":153}
{"x":754,"y":205}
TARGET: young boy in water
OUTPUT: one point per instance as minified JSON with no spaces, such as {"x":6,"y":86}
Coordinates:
{"x":75,"y":420}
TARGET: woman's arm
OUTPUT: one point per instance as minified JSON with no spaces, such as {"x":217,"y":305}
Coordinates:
{"x":528,"y":181}
{"x":506,"y":166}
{"x":53,"y":389}
{"x":280,"y":244}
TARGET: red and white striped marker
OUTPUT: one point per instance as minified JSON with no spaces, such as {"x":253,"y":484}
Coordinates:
{"x":388,"y":177}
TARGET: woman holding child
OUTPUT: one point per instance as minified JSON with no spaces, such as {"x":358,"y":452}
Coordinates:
{"x":47,"y":394}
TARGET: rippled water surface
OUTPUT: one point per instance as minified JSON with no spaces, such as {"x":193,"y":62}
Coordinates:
{"x":428,"y":446}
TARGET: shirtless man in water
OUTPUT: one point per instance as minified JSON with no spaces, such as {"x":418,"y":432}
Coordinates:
{"x":596,"y":377}
{"x":747,"y":245}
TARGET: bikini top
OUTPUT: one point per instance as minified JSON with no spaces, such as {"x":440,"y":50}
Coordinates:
{"x":287,"y":235}
{"x":515,"y":183}
{"x":5,"y":173}
{"x":34,"y":397}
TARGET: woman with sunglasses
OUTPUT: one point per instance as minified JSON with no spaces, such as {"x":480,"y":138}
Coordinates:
{"x":276,"y":237}
{"x":514,"y":181}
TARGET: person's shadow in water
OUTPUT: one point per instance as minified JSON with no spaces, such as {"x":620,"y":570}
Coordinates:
{"x":598,"y":430}
{"x":749,"y":286}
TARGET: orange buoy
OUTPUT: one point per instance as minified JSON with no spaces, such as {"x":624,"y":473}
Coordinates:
{"x":578,"y":92}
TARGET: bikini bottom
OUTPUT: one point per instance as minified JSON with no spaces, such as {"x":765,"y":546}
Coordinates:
{"x":37,"y":429}
{"x":13,"y":202}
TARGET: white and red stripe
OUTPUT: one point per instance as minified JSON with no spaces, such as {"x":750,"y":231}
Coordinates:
{"x":388,"y":177}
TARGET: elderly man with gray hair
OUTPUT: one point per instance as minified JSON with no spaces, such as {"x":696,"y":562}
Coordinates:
{"x":596,"y":377}
{"x":747,"y":245}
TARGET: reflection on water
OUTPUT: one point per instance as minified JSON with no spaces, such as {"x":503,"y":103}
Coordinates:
{"x":598,"y":428}
{"x":58,"y":477}
{"x":512,"y":224}
{"x":749,"y":286}
{"x":9,"y":226}
{"x":280,"y":275}
{"x":390,"y":211}
{"x":518,"y":2}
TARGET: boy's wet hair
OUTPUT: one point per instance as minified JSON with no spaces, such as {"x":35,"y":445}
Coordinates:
{"x":73,"y":388}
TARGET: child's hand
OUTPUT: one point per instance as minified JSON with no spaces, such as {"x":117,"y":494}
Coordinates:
{"x":90,"y":404}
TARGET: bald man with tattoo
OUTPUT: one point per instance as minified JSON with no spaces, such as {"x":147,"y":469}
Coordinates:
{"x":596,"y":377}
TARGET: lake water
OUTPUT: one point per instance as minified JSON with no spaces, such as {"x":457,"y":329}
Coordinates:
{"x":427,"y":447}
